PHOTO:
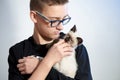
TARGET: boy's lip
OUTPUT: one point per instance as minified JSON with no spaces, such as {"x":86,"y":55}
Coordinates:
{"x":57,"y":32}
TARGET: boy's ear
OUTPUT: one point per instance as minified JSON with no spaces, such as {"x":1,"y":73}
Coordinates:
{"x":80,"y":40}
{"x":73,"y":28}
{"x":33,"y":16}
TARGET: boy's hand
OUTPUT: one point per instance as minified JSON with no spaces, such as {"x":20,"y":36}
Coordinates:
{"x":28,"y":64}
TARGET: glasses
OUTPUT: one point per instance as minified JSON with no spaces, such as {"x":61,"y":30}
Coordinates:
{"x":55,"y":23}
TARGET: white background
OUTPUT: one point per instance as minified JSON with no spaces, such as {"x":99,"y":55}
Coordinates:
{"x":98,"y":23}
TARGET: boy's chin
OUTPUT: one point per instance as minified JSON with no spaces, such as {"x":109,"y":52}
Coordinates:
{"x":55,"y":37}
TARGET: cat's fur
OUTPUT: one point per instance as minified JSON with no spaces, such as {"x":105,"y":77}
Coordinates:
{"x":68,"y":65}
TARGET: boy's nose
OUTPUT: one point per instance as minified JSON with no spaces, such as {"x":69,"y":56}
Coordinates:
{"x":60,"y":26}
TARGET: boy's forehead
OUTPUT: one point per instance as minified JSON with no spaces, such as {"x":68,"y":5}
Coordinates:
{"x":55,"y":11}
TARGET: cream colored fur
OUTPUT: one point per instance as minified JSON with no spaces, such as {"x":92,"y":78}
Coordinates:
{"x":68,"y":65}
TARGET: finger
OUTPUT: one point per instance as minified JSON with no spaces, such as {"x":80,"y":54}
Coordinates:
{"x":68,"y":49}
{"x":61,"y":41}
{"x":21,"y":60}
{"x":68,"y":54}
{"x":30,"y":56}
{"x":21,"y":69}
{"x":65,"y":45}
{"x":23,"y":72}
{"x":20,"y":65}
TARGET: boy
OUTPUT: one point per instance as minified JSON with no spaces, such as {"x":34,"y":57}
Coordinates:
{"x":48,"y":17}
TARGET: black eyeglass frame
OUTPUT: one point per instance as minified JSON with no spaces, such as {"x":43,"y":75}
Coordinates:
{"x":53,"y":21}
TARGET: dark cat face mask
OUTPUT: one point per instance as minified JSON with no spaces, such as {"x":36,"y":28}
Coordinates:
{"x":70,"y":38}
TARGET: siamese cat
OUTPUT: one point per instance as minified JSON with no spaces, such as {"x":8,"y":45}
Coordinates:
{"x":68,"y":65}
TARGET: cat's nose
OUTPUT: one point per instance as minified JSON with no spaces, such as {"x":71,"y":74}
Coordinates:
{"x":61,"y":35}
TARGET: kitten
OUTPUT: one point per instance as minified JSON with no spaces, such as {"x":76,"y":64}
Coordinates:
{"x":68,"y":65}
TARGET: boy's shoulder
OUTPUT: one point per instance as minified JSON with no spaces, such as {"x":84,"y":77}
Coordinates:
{"x":21,"y":43}
{"x":21,"y":48}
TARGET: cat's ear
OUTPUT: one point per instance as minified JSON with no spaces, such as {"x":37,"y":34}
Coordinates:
{"x":73,"y":29}
{"x":80,"y":40}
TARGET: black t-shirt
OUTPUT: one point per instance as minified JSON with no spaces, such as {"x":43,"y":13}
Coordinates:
{"x":28,"y":47}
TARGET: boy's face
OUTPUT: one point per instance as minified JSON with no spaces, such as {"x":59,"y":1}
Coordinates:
{"x":56,"y":12}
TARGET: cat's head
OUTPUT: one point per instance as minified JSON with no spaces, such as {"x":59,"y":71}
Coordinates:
{"x":71,"y":38}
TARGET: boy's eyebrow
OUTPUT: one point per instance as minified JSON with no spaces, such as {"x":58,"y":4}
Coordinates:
{"x":58,"y":17}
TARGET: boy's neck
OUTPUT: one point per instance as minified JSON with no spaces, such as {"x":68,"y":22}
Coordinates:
{"x":39,"y":40}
